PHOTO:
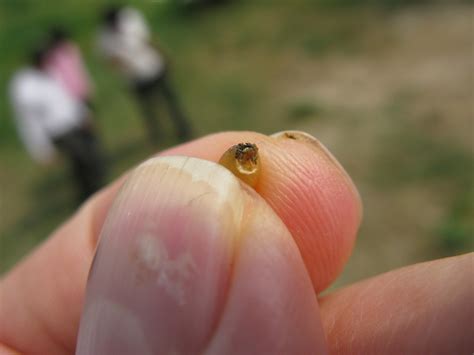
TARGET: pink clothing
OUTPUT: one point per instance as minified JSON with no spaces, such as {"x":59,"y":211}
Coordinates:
{"x":64,"y":63}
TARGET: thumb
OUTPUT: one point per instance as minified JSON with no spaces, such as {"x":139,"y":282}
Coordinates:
{"x":192,"y":261}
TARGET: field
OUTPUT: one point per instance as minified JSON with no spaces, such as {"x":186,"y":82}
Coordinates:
{"x":387,"y":86}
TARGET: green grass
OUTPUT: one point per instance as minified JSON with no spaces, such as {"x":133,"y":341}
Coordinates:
{"x":415,"y":156}
{"x":303,"y":110}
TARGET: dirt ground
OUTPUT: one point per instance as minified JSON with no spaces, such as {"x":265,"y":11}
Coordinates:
{"x":417,"y":80}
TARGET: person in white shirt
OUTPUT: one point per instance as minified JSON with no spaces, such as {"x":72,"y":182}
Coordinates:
{"x":124,"y":40}
{"x":49,"y":119}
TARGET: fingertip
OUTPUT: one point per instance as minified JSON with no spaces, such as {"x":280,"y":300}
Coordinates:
{"x":319,"y":148}
{"x":317,"y":200}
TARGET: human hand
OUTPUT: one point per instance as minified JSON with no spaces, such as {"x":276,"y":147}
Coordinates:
{"x":251,"y":273}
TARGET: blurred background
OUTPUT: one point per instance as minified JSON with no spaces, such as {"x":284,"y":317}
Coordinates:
{"x":386,"y":85}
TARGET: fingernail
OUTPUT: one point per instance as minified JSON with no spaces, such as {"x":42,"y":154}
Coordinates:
{"x":315,"y":144}
{"x":165,"y":253}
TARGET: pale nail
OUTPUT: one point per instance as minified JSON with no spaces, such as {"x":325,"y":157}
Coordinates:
{"x":165,"y":253}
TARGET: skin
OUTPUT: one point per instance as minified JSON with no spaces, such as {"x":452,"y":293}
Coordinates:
{"x":315,"y":210}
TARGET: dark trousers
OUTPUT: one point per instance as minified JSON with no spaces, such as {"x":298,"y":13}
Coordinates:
{"x":147,"y":93}
{"x":82,"y":148}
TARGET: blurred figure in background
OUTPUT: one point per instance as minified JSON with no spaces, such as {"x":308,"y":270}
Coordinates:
{"x":49,"y":119}
{"x":124,"y":39}
{"x":64,"y":63}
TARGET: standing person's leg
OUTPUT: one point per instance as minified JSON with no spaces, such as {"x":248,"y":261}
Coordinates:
{"x":92,"y":158}
{"x":182,"y":125}
{"x":69,"y":144}
{"x":144,"y":93}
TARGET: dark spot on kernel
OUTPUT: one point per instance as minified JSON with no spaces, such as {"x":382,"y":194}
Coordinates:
{"x":246,"y":153}
{"x":243,"y":161}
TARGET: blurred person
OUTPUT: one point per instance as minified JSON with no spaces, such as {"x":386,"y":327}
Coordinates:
{"x":64,"y":63}
{"x":48,"y":119}
{"x":125,"y":41}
